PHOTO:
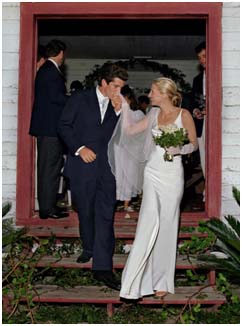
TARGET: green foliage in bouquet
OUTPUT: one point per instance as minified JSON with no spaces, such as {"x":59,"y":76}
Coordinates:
{"x":178,"y":137}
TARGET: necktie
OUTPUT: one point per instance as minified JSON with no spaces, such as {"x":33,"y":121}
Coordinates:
{"x":103,"y":108}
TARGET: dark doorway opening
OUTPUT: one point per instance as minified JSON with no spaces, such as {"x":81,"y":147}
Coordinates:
{"x":167,"y":41}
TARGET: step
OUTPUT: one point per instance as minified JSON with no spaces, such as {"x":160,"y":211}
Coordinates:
{"x":187,"y":219}
{"x":207,"y":295}
{"x":119,"y":261}
{"x":125,"y":231}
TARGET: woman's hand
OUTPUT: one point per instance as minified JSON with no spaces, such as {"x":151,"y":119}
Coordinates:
{"x":173,"y":150}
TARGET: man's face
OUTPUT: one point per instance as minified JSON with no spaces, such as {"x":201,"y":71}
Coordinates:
{"x":202,"y":58}
{"x":60,"y":58}
{"x":113,"y":88}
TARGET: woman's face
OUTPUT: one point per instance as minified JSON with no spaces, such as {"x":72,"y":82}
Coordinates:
{"x":156,"y":97}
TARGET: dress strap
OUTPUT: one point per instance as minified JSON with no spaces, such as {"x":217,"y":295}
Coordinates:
{"x":178,"y":121}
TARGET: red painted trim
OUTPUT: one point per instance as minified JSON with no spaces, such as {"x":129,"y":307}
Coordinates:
{"x":31,"y":12}
{"x":25,"y":147}
{"x":214,"y":123}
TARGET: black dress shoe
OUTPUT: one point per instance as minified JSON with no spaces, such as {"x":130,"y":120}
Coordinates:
{"x":53,"y":214}
{"x":84,"y":258}
{"x":108,"y":278}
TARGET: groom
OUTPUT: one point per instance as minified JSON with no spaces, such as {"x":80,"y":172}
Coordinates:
{"x":86,"y":126}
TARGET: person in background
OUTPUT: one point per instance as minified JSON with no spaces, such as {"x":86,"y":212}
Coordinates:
{"x":199,"y":104}
{"x":143,"y":103}
{"x":86,"y":126}
{"x":49,"y":100}
{"x":41,"y":56}
{"x":75,"y":87}
{"x":124,"y":191}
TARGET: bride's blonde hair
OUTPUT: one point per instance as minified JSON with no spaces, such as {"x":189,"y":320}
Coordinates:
{"x":167,"y":86}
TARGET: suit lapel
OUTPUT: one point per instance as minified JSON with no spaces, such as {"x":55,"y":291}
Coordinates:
{"x":94,"y":104}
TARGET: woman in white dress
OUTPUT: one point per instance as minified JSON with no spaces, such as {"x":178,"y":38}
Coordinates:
{"x":151,"y":263}
{"x":124,"y":189}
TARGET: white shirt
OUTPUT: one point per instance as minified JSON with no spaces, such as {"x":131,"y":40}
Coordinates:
{"x":204,"y":82}
{"x":103,"y":103}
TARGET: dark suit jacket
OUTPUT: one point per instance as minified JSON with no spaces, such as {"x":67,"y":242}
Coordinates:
{"x":80,"y":124}
{"x":197,"y":90}
{"x":49,"y":101}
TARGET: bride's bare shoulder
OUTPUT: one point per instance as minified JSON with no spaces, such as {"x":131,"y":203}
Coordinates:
{"x":185,"y":112}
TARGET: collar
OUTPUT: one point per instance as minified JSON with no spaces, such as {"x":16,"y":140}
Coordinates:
{"x":53,"y":61}
{"x":100,"y":96}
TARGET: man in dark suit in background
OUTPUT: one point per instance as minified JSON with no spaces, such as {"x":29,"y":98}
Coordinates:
{"x":86,"y":126}
{"x":199,"y":103}
{"x":49,"y":101}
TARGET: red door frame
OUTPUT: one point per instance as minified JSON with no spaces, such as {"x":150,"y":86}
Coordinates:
{"x":31,"y":12}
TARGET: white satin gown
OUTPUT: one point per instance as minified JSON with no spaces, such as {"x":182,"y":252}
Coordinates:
{"x":151,"y":263}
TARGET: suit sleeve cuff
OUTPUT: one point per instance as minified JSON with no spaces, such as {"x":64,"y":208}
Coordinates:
{"x":78,"y":151}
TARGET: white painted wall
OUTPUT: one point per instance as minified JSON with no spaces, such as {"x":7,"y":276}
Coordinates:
{"x":230,"y":110}
{"x":231,"y":105}
{"x":10,"y":64}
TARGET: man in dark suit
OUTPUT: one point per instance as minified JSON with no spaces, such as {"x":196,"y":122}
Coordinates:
{"x":199,"y":102}
{"x":50,"y":99}
{"x":86,"y":126}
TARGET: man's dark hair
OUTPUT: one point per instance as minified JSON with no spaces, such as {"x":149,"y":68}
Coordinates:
{"x":54,"y":47}
{"x":127,"y":91}
{"x":143,"y":99}
{"x":201,"y":46}
{"x":41,"y":52}
{"x":76,"y":85}
{"x":109,"y":71}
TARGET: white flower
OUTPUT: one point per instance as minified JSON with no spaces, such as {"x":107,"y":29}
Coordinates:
{"x":156,"y":132}
{"x":169,"y":129}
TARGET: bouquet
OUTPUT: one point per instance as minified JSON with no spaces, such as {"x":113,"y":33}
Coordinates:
{"x":170,"y":135}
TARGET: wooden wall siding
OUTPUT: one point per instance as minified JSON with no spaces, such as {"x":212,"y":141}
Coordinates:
{"x":10,"y":66}
{"x":230,"y":97}
{"x":230,"y":105}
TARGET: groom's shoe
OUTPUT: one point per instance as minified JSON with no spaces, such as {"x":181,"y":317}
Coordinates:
{"x":84,"y":258}
{"x":108,"y":278}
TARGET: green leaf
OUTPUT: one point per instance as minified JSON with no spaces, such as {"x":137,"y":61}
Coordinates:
{"x":234,"y":223}
{"x":219,"y":263}
{"x":222,"y":231}
{"x":236,"y":194}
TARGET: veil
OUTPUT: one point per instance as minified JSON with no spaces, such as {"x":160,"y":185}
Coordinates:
{"x":129,"y":149}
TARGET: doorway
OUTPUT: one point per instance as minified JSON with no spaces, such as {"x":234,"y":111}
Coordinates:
{"x":133,"y":29}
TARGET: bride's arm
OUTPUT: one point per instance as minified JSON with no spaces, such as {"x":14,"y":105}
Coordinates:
{"x":188,"y":124}
{"x":137,"y":127}
{"x":130,"y":124}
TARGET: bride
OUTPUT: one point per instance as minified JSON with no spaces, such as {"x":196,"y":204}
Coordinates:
{"x":150,"y":267}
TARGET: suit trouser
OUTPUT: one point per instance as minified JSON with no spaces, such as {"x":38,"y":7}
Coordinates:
{"x":95,"y":200}
{"x":49,"y":165}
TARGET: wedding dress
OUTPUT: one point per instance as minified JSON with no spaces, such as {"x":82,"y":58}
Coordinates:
{"x":151,"y":263}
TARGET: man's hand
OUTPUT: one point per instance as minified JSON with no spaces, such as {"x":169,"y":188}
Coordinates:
{"x":87,"y":155}
{"x":116,"y":102}
{"x":198,"y":114}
